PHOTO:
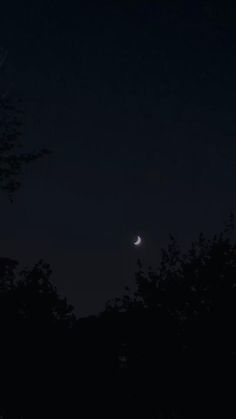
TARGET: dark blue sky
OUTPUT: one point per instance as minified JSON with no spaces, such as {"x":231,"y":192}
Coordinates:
{"x":137,"y":102}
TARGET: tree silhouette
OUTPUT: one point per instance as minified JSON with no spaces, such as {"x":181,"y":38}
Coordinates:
{"x":34,"y":326}
{"x":13,"y":158}
{"x":166,"y":351}
{"x":178,"y":333}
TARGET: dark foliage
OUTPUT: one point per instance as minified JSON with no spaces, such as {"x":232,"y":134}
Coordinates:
{"x":34,"y":323}
{"x":13,"y":157}
{"x":168,"y":351}
{"x":178,"y":338}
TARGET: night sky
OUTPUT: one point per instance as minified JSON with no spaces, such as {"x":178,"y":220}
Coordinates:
{"x":137,"y":102}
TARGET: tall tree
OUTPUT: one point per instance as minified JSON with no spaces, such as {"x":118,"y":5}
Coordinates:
{"x":13,"y":157}
{"x":178,"y":336}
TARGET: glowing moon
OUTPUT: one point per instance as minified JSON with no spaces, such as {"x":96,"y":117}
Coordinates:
{"x":138,"y":241}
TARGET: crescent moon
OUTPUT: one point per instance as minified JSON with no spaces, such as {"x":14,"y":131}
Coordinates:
{"x":138,"y":241}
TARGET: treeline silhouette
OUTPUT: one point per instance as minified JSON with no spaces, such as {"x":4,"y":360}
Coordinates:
{"x":165,"y":351}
